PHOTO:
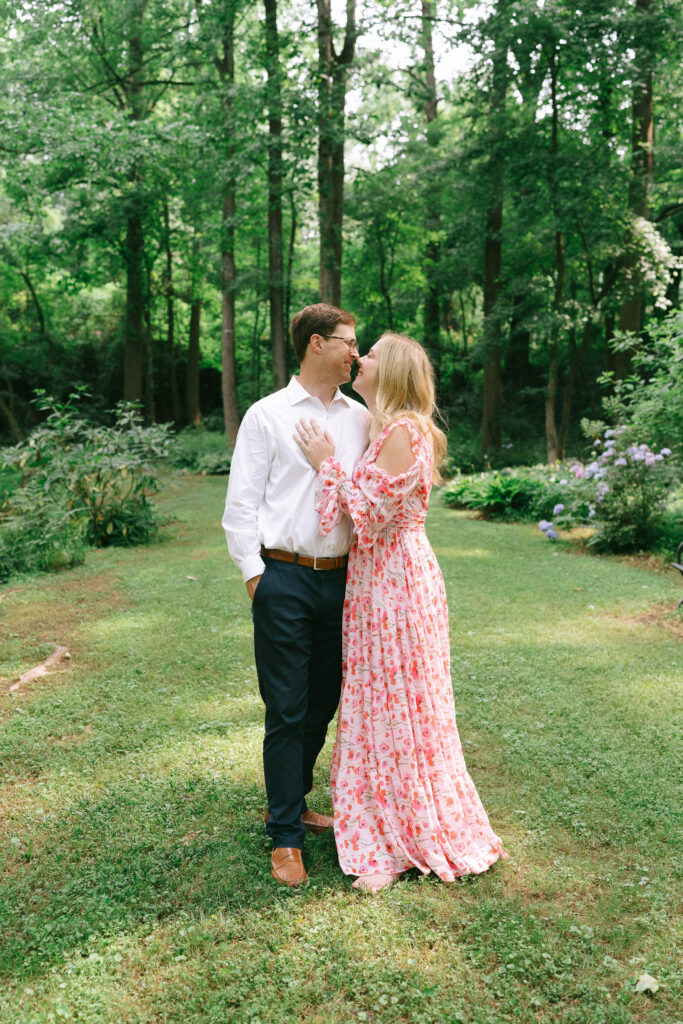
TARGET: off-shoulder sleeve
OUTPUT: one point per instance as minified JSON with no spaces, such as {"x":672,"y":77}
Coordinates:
{"x":372,"y":499}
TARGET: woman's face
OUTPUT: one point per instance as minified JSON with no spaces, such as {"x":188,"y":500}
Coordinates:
{"x":368,"y":369}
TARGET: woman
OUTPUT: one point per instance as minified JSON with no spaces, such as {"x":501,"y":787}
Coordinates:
{"x":401,"y":793}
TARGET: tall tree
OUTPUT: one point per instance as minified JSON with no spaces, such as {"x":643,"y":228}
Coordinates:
{"x":332,"y":72}
{"x":642,"y":167}
{"x":170,"y":316}
{"x":225,"y":65}
{"x":131,"y":88}
{"x":493,"y":236}
{"x":192,"y":406}
{"x":552,"y":441}
{"x":276,"y":289}
{"x":432,"y":314}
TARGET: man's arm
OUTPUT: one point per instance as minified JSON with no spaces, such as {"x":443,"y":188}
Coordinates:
{"x":249,"y":470}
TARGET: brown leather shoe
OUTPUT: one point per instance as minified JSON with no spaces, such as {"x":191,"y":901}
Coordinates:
{"x":287,"y":867}
{"x":315,"y":823}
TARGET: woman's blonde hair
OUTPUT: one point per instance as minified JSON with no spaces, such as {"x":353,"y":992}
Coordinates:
{"x":405,"y":387}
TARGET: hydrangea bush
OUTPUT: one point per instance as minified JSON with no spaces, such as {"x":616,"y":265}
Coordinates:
{"x":622,"y":492}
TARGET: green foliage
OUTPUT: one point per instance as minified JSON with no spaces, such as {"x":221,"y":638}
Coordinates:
{"x":650,"y":401}
{"x":622,"y":492}
{"x":81,"y":481}
{"x":521,"y":494}
{"x":201,"y":451}
{"x":38,"y":534}
{"x":9,"y":481}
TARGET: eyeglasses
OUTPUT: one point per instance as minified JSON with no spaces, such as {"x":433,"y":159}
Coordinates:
{"x":351,"y":343}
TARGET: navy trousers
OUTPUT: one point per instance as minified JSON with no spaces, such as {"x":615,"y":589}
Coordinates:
{"x":297,"y":616}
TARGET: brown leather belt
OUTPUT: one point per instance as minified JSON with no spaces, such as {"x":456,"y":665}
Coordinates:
{"x":317,"y":562}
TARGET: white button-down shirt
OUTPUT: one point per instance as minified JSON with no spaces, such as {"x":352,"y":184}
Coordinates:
{"x":272,"y":488}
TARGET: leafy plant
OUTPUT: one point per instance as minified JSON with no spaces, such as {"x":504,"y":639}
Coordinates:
{"x":82,"y":480}
{"x":201,"y":451}
{"x":650,"y":401}
{"x":509,"y":494}
{"x":625,"y":488}
{"x":39,"y":534}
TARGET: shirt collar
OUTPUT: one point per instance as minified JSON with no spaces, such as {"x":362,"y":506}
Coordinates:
{"x":296,"y":393}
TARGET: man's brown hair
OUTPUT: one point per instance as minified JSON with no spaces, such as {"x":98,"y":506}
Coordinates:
{"x":320,"y":318}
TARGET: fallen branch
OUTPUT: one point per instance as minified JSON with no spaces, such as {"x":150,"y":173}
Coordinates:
{"x":59,"y":654}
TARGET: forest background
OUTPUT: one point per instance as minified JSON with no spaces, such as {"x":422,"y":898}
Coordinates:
{"x":503,"y":180}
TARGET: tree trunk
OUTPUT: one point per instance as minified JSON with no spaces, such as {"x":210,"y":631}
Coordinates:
{"x":275,"y":264}
{"x":194,"y":416}
{"x":134,"y":321}
{"x":42,"y":325}
{"x":385,"y":274}
{"x":551,"y":438}
{"x":642,"y":168}
{"x":148,"y":376}
{"x":290,"y":258}
{"x":331,"y":103}
{"x":432,"y":253}
{"x":577,"y":359}
{"x":226,"y":69}
{"x":493,"y":245}
{"x":170,"y":320}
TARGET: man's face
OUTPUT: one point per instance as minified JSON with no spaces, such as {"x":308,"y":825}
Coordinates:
{"x":339,"y":351}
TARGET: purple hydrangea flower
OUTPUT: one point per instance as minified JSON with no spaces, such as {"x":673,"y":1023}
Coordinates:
{"x":558,"y":510}
{"x":591,"y":511}
{"x":621,"y":461}
{"x":552,"y":534}
{"x":578,"y":470}
{"x":544,"y":525}
{"x":564,"y":482}
{"x":665,"y":452}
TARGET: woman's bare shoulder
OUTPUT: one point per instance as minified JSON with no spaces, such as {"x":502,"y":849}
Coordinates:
{"x":396,"y":453}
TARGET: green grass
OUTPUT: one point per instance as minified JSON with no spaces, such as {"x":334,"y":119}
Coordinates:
{"x":134,"y":880}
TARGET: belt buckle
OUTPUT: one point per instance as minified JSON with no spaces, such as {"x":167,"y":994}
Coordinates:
{"x":315,"y":561}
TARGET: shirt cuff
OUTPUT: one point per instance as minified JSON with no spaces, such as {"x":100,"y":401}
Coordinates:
{"x":252,"y":566}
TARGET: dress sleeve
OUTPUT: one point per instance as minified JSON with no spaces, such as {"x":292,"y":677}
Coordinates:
{"x":372,"y":499}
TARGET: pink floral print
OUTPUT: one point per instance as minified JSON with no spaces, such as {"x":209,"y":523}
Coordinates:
{"x":401,"y":793}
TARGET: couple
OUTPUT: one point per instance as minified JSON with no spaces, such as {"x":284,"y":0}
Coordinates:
{"x":313,"y":474}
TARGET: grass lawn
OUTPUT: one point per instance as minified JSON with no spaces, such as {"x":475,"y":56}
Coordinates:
{"x":134,"y":873}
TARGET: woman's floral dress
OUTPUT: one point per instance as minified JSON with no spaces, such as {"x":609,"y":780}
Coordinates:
{"x":401,"y":793}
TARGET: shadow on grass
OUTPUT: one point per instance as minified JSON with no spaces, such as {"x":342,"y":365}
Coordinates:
{"x":137,"y":856}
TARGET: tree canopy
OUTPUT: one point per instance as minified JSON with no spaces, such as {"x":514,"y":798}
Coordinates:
{"x":501,"y":180}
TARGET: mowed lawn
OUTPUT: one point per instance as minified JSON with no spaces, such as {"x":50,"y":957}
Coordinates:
{"x":134,"y":872}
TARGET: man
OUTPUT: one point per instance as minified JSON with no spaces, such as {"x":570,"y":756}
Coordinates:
{"x":294,"y":577}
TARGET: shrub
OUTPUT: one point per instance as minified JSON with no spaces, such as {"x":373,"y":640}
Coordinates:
{"x":40,"y":535}
{"x":624,"y":487}
{"x":80,"y":480}
{"x":650,"y":401}
{"x":201,"y":451}
{"x":509,"y":494}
